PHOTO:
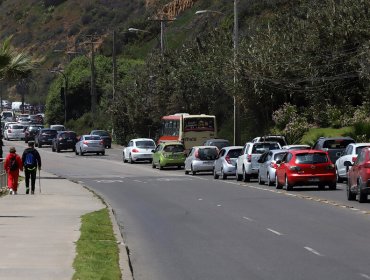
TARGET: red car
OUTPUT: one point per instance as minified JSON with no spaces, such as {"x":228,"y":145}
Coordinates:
{"x":305,"y":167}
{"x":358,"y":181}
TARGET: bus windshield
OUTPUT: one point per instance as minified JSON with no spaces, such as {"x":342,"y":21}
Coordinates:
{"x":199,"y":124}
{"x":171,"y":127}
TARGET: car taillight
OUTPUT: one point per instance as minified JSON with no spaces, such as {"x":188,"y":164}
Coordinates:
{"x":367,"y":164}
{"x":330,"y":167}
{"x":9,"y":131}
{"x":273,"y":165}
{"x":196,"y":155}
{"x":354,"y":159}
{"x":85,"y":142}
{"x":249,"y":158}
{"x":60,"y":138}
{"x":295,"y":168}
{"x":101,"y":142}
{"x":228,"y":160}
{"x":135,"y":150}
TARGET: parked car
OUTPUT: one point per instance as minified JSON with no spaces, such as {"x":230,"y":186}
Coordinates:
{"x":45,"y":136}
{"x":225,"y":163}
{"x":30,"y":132}
{"x":333,"y":145}
{"x":349,"y":154}
{"x":140,"y":149}
{"x":14,"y":131}
{"x":247,"y":163}
{"x":90,"y":144}
{"x":296,"y":147}
{"x":201,"y":159}
{"x":105,"y":136}
{"x":271,"y":138}
{"x":64,"y":140}
{"x":267,"y":166}
{"x":359,"y":176}
{"x":169,"y":154}
{"x":219,"y":143}
{"x":305,"y":167}
{"x":58,"y":127}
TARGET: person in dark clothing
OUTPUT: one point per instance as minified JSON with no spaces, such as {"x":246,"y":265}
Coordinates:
{"x":31,"y":161}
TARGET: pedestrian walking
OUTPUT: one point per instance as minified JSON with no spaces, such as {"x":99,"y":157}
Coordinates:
{"x":31,"y":161}
{"x":13,"y":164}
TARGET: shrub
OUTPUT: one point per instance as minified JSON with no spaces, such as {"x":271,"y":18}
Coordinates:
{"x":74,"y":30}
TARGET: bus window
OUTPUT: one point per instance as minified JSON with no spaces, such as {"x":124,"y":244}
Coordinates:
{"x":170,"y":127}
{"x":199,"y":124}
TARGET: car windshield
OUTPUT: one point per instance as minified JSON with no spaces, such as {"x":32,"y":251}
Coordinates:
{"x":49,"y":132}
{"x":279,"y":156}
{"x":17,"y":127}
{"x":337,"y":143}
{"x":145,"y":144}
{"x":100,"y":133}
{"x":311,"y":158}
{"x":68,"y":135}
{"x":220,"y":144}
{"x":174,"y":149}
{"x":260,"y":148}
{"x":207,"y":153}
{"x":92,"y":137}
{"x":358,"y":149}
{"x":234,"y":153}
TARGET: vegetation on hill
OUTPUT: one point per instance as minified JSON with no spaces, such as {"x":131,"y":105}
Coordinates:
{"x":311,"y":55}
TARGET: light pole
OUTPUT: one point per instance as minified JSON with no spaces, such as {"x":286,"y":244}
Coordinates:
{"x":236,"y":125}
{"x":65,"y":91}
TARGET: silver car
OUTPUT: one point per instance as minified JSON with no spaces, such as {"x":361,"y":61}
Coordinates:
{"x":14,"y":131}
{"x":296,"y":147}
{"x":90,"y":144}
{"x":267,"y":166}
{"x":225,"y":164}
{"x":200,"y":158}
{"x":351,"y":151}
{"x":140,"y":149}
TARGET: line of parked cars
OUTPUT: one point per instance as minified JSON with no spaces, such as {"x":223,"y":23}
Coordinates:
{"x":269,"y":160}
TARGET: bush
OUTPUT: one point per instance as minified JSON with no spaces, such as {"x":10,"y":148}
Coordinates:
{"x":361,"y":131}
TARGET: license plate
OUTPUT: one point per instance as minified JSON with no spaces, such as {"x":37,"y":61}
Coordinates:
{"x":314,"y":180}
{"x":69,"y":141}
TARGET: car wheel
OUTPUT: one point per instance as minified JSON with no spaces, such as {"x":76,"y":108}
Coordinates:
{"x":288,"y":186}
{"x":350,"y":195}
{"x":333,"y":186}
{"x":153,"y":164}
{"x":245,"y":176}
{"x":260,"y":182}
{"x":40,"y":146}
{"x":192,"y":171}
{"x":362,"y":197}
{"x":321,"y":186}
{"x":277,"y":185}
{"x":215,"y":175}
{"x":339,"y":179}
{"x":109,"y":146}
{"x":186,"y":172}
{"x":58,"y":150}
{"x":81,"y":153}
{"x":103,"y":153}
{"x":160,"y":166}
{"x":223,"y":176}
{"x":75,"y":152}
{"x":269,"y":183}
{"x":52,"y":149}
{"x":124,"y":157}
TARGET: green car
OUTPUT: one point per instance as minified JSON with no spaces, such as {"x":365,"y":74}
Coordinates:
{"x":169,"y":154}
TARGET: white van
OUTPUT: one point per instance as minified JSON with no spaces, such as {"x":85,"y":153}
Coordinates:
{"x":7,"y":116}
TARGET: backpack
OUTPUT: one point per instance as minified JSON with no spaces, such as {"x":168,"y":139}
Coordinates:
{"x":30,"y":161}
{"x":13,"y":164}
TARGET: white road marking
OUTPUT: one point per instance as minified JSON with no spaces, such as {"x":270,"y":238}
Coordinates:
{"x":200,"y":199}
{"x":248,"y":219}
{"x":219,"y":205}
{"x":365,"y":276}
{"x":138,"y":181}
{"x":109,"y":181}
{"x":313,"y":251}
{"x":274,"y":231}
{"x":204,"y":179}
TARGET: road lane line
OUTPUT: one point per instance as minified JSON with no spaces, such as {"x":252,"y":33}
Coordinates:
{"x":219,"y":205}
{"x":365,"y":276}
{"x":200,"y":199}
{"x":313,"y":251}
{"x":204,"y":179}
{"x":248,"y":219}
{"x":274,"y":231}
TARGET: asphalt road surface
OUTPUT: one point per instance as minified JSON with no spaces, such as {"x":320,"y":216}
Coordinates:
{"x":180,"y":226}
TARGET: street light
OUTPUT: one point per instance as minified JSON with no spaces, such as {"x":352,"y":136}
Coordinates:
{"x":136,"y":30}
{"x":237,"y":137}
{"x":65,"y":91}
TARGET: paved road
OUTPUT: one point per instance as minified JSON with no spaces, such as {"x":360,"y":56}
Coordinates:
{"x":194,"y":227}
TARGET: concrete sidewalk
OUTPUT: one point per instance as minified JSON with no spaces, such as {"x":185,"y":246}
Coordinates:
{"x":38,"y":232}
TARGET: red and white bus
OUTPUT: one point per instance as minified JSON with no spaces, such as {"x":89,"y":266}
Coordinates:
{"x":191,"y":130}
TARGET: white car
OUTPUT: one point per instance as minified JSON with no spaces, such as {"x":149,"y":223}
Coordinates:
{"x":140,"y":149}
{"x":14,"y":131}
{"x":247,"y":164}
{"x":351,"y":151}
{"x":296,"y":147}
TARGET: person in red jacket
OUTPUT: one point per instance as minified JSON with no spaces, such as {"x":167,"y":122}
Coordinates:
{"x":12,"y":165}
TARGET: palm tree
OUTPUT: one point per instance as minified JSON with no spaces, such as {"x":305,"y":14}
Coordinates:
{"x":15,"y":65}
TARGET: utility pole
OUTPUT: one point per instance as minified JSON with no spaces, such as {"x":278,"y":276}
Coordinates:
{"x":162,"y":21}
{"x":237,"y":135}
{"x":92,"y":80}
{"x":114,"y":62}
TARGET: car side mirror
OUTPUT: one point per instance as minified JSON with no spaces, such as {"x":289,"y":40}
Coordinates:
{"x":338,"y":154}
{"x":354,"y":159}
{"x":278,"y":161}
{"x":348,"y":163}
{"x":153,"y":151}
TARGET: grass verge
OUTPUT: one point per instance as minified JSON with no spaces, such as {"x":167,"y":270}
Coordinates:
{"x":97,"y":249}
